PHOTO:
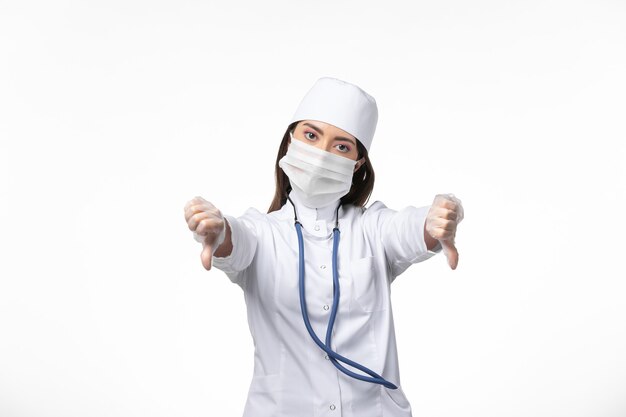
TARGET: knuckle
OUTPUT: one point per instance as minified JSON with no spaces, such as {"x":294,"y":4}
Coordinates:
{"x":214,"y":214}
{"x":201,"y":226}
{"x":210,"y":224}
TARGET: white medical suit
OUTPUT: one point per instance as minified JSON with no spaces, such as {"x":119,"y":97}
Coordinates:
{"x":292,"y":376}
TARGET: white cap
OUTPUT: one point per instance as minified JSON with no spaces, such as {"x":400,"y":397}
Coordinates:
{"x":342,"y":105}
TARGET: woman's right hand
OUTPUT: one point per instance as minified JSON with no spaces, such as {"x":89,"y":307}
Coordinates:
{"x":208,"y":225}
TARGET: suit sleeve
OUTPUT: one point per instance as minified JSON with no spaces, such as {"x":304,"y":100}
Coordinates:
{"x":244,"y":237}
{"x":402,"y":236}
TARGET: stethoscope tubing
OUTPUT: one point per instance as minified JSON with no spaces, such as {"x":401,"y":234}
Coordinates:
{"x":332,"y":355}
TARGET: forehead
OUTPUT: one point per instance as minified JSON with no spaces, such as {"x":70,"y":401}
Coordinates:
{"x":327,"y":128}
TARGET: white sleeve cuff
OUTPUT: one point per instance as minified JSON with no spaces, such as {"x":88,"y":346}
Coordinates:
{"x":244,"y":241}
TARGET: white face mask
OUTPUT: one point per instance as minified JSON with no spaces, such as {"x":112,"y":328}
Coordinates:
{"x":317,"y":176}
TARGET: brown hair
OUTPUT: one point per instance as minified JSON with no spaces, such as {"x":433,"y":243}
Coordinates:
{"x":362,"y":180}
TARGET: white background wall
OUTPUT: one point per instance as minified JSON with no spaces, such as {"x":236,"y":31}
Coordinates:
{"x":113,"y":114}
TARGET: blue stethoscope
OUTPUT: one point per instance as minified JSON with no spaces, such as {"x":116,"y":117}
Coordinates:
{"x":333,"y":356}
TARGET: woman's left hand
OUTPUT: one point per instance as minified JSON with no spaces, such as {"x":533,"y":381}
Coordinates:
{"x":444,"y":215}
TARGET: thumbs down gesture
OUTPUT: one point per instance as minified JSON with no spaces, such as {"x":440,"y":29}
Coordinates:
{"x":444,"y":215}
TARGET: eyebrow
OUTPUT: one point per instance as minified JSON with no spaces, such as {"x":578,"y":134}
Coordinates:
{"x":321,"y":132}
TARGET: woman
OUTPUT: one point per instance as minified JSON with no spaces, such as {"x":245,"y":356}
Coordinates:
{"x":317,"y":247}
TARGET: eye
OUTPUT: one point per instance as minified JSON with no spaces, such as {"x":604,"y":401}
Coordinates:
{"x":309,"y":133}
{"x":346,"y":149}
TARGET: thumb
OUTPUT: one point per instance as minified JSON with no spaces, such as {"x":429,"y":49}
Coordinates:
{"x":207,"y":256}
{"x":451,"y":253}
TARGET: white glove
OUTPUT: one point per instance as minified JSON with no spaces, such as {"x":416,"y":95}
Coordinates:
{"x":444,"y":215}
{"x":208,"y":227}
{"x":220,"y":239}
